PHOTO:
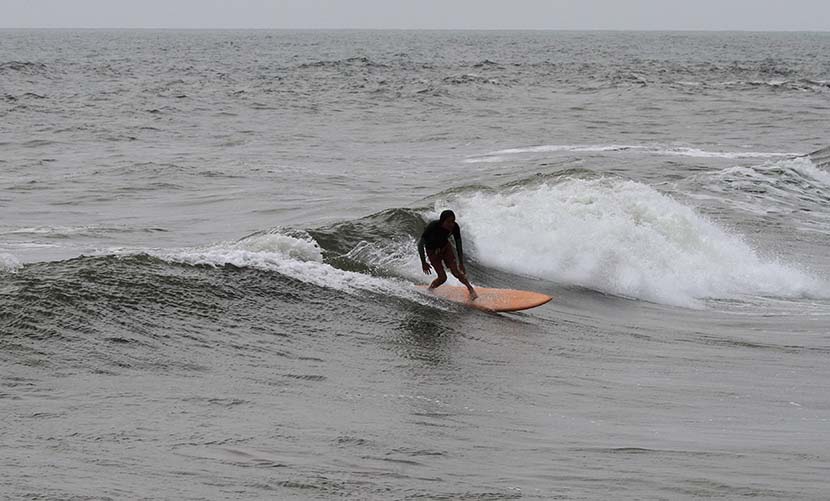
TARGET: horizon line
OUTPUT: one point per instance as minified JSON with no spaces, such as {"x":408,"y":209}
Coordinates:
{"x":176,"y":28}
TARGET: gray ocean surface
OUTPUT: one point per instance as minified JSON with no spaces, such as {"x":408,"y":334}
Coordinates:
{"x":208,"y":259}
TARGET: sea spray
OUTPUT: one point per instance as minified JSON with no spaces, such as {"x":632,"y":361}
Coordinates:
{"x":620,"y":237}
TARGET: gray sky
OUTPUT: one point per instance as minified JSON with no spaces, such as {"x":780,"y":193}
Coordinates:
{"x":812,"y":15}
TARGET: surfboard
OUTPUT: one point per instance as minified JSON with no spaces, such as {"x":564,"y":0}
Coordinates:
{"x":490,"y":299}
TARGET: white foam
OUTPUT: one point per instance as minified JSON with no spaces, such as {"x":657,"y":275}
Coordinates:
{"x":624,"y":238}
{"x":9,"y":263}
{"x":500,"y":155}
{"x":295,"y":255}
{"x":486,"y":160}
{"x":564,"y":147}
{"x":49,"y":230}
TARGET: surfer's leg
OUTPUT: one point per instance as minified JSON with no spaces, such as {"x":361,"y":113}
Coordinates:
{"x":449,"y":258}
{"x":438,"y":266}
{"x":442,"y":276}
{"x":473,"y":293}
{"x":463,"y":280}
{"x":462,"y":277}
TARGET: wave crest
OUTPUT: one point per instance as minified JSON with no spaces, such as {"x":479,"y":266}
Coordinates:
{"x":623,"y":238}
{"x":291,"y":253}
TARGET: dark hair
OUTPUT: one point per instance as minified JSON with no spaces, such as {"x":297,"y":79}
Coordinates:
{"x":446,"y":215}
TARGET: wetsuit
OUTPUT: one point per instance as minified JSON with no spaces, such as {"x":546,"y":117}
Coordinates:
{"x":436,"y":240}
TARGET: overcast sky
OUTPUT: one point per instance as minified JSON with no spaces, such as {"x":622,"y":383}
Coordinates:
{"x":812,"y":15}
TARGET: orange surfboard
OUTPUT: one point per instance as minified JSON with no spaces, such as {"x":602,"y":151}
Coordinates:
{"x":491,"y":299}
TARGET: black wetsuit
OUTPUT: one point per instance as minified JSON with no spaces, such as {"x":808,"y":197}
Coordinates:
{"x":436,"y":237}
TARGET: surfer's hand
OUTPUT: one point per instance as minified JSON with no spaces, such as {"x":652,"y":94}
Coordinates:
{"x":426,"y":268}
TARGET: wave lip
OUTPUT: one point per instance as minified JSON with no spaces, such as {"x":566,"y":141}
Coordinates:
{"x":623,"y":238}
{"x":291,"y":253}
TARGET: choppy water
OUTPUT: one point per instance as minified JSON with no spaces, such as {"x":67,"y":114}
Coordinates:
{"x":207,"y":259}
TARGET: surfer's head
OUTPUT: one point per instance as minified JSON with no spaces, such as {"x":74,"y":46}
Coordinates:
{"x":447,"y":219}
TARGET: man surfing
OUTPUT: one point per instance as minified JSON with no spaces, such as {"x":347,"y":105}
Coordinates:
{"x":436,"y":240}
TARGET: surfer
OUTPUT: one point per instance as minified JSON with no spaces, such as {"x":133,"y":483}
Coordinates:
{"x":436,"y":240}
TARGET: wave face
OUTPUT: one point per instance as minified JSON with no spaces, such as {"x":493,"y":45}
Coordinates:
{"x":624,"y":238}
{"x":290,"y":253}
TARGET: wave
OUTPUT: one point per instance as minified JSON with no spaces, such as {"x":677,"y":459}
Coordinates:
{"x":361,"y":61}
{"x":623,"y":238}
{"x":90,"y":294}
{"x":293,"y":254}
{"x":470,"y":78}
{"x":607,"y":234}
{"x":796,"y":188}
{"x":24,"y":67}
{"x":500,"y":155}
{"x":88,"y":230}
{"x":799,"y":84}
{"x":799,"y":175}
{"x":388,"y":225}
{"x":27,"y":95}
{"x":572,"y":227}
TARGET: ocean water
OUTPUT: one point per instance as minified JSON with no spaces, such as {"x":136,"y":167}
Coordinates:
{"x":208,"y":260}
